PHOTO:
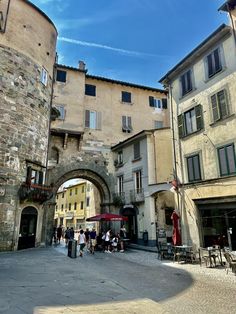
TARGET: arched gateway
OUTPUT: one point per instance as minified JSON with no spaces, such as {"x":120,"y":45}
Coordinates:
{"x":91,"y":171}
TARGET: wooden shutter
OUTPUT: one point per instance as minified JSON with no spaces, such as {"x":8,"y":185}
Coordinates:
{"x":98,"y":120}
{"x":199,"y":117}
{"x":181,"y":125}
{"x":183,"y":85}
{"x":151,"y":101}
{"x":124,"y":126}
{"x":164,"y":103}
{"x":215,"y":109}
{"x":189,"y":81}
{"x":129,"y":124}
{"x":217,"y":60}
{"x":87,"y":118}
{"x":40,"y":178}
{"x":136,"y":150}
{"x":222,"y":103}
{"x":28,"y":176}
{"x":210,"y":65}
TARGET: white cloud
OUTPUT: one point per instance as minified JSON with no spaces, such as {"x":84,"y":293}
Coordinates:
{"x":95,"y":45}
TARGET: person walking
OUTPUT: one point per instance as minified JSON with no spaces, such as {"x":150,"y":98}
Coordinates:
{"x":67,"y":235}
{"x":59,"y":234}
{"x":93,"y":241}
{"x":72,"y":233}
{"x":122,"y":237}
{"x":107,"y":241}
{"x":81,"y":242}
{"x":87,"y":238}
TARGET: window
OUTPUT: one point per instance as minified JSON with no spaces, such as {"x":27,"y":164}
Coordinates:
{"x":214,"y":64}
{"x":56,"y":207}
{"x":82,"y":205}
{"x":120,"y":184}
{"x":88,"y":188}
{"x":126,"y":97}
{"x":137,"y":150}
{"x":76,"y":191}
{"x":120,"y":157}
{"x":69,"y":206}
{"x":219,"y":105}
{"x":75,"y":206}
{"x":44,"y":77}
{"x":126,"y":124}
{"x":93,"y":119}
{"x":138,"y":181}
{"x":87,"y":201}
{"x":90,"y":90}
{"x":227,"y":162}
{"x":70,"y":192}
{"x":61,"y":76}
{"x":61,"y":112}
{"x":190,"y":121}
{"x":57,"y":196}
{"x":62,"y":195}
{"x":158,"y":124}
{"x":193,"y":166}
{"x":157,"y":102}
{"x":62,"y":206}
{"x":83,"y":189}
{"x":186,"y":82}
{"x":34,"y":176}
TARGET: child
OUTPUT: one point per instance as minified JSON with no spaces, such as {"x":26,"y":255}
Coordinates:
{"x":114,"y":243}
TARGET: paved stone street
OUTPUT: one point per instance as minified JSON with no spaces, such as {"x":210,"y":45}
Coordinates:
{"x":47,"y":281}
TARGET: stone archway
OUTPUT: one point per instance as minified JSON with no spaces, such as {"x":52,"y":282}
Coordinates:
{"x":91,"y":171}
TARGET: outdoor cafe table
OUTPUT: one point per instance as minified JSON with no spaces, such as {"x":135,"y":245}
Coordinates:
{"x":182,"y":250}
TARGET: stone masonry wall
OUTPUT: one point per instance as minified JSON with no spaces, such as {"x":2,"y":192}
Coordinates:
{"x":24,"y":122}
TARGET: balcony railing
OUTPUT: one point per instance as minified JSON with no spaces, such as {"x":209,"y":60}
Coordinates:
{"x":119,"y":199}
{"x":35,"y":192}
{"x":137,"y":196}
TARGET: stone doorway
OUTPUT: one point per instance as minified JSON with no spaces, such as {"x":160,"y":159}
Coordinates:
{"x":28,"y":226}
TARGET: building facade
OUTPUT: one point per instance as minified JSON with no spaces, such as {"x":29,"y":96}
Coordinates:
{"x":143,"y":173}
{"x":203,"y":99}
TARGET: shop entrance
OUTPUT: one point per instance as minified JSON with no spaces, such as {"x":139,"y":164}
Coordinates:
{"x":28,"y":225}
{"x":218,"y":222}
{"x":131,"y":224}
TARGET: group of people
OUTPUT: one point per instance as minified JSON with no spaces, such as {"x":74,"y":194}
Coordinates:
{"x":108,"y":241}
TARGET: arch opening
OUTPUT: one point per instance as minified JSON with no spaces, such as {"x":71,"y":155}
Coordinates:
{"x":28,"y":225}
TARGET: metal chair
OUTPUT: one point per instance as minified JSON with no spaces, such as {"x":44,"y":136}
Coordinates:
{"x":204,"y":256}
{"x":230,"y":263}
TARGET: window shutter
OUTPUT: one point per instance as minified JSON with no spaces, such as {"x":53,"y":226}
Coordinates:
{"x":40,"y":177}
{"x":99,"y":121}
{"x":151,"y":101}
{"x":124,"y":126}
{"x":199,"y":117}
{"x":181,"y":125}
{"x":223,"y":104}
{"x":87,"y":118}
{"x":164,"y":103}
{"x":137,"y":150}
{"x":28,"y":176}
{"x":215,"y":109}
{"x":217,"y":60}
{"x":183,"y":85}
{"x":210,"y":65}
{"x":189,"y":81}
{"x":129,"y":124}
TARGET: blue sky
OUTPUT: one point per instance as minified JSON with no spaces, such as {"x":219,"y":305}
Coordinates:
{"x":136,"y":41}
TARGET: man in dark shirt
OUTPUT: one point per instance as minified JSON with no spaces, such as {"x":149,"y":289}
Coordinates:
{"x":87,"y":238}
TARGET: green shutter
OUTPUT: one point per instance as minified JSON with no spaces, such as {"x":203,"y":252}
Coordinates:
{"x":223,"y":103}
{"x":215,"y":108}
{"x":98,"y":120}
{"x":87,"y":118}
{"x":181,"y":125}
{"x":199,"y":117}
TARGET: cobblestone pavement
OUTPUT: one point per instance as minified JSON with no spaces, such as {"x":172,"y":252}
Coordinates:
{"x":47,"y":281}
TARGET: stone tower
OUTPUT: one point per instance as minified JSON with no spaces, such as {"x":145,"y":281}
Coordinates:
{"x":27,"y":56}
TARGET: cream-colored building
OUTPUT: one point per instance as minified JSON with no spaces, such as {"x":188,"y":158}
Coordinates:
{"x":202,"y":89}
{"x":74,"y":204}
{"x":143,"y":174}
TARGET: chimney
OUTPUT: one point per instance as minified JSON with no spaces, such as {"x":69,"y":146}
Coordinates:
{"x":81,"y":65}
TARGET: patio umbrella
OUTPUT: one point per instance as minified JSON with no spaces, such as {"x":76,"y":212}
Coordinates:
{"x":107,"y":217}
{"x":176,"y":237}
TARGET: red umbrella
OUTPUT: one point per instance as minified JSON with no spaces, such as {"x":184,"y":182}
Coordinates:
{"x":107,"y":217}
{"x":176,"y":233}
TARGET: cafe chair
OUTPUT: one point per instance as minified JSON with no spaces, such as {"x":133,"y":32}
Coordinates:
{"x":204,"y":256}
{"x":230,"y":263}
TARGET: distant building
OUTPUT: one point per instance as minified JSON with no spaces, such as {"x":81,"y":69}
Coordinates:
{"x":202,"y":89}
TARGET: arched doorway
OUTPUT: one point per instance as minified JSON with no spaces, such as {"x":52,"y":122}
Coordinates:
{"x":28,"y":226}
{"x":131,"y":225}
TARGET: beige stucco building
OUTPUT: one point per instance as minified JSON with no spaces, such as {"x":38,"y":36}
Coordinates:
{"x":202,"y":90}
